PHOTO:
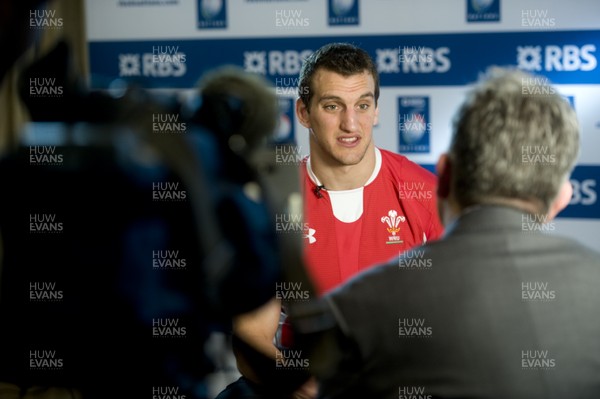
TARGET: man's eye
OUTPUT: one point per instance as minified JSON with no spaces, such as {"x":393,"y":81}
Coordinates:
{"x":330,"y":107}
{"x":364,"y":106}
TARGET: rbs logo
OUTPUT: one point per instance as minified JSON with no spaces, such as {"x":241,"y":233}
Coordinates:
{"x":584,"y":201}
{"x":583,"y":192}
{"x":152,"y":65}
{"x":556,"y":58}
{"x":275,"y":62}
{"x":413,"y":59}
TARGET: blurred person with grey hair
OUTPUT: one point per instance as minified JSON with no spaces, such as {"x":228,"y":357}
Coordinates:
{"x":497,"y":308}
{"x":516,"y":141}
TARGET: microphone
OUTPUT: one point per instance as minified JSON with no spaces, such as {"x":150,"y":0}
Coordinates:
{"x":317,"y":191}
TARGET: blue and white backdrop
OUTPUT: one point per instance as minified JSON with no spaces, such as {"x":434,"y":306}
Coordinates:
{"x":427,"y":52}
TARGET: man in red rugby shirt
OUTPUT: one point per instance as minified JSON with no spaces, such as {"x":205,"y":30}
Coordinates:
{"x":362,"y":205}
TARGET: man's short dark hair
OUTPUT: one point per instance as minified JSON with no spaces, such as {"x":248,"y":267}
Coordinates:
{"x":342,"y":58}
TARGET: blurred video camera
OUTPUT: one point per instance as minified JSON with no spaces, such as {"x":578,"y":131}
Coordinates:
{"x":133,"y":225}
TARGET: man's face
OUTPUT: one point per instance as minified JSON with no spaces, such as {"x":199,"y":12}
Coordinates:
{"x":340,"y":118}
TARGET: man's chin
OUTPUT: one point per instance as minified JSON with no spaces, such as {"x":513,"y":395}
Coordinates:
{"x":346,"y":161}
{"x":350,"y":158}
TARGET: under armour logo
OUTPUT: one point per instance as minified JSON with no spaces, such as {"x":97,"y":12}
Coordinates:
{"x":310,"y":236}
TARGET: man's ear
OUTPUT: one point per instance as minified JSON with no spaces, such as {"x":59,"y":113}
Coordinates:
{"x":562,"y":199}
{"x":302,"y":113}
{"x":443,"y":169}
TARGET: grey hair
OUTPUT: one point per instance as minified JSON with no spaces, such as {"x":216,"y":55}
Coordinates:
{"x":514,"y":137}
